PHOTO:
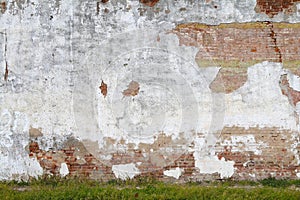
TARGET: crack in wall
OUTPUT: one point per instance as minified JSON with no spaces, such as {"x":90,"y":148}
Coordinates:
{"x":274,"y":39}
{"x":98,"y":8}
{"x":5,"y":56}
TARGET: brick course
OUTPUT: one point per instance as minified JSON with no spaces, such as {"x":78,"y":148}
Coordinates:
{"x":276,"y":158}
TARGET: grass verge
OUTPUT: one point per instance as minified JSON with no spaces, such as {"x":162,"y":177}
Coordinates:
{"x":56,"y":188}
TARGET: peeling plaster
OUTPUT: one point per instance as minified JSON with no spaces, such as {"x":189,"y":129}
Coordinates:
{"x":125,"y":171}
{"x":64,"y":171}
{"x":50,"y":91}
{"x":175,"y":173}
{"x":244,"y":143}
{"x":294,"y":81}
{"x":207,"y":163}
{"x":16,"y":165}
{"x":210,"y":165}
{"x":259,"y":102}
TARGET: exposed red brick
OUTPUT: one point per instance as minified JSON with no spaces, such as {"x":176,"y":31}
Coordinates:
{"x":186,"y":162}
{"x":293,"y":95}
{"x":103,"y":88}
{"x":150,"y":3}
{"x":33,"y":147}
{"x":229,"y":80}
{"x":50,"y":161}
{"x":275,"y":158}
{"x":238,"y":46}
{"x":271,"y":7}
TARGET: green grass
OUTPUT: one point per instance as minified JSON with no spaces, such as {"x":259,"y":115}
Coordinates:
{"x":56,"y":188}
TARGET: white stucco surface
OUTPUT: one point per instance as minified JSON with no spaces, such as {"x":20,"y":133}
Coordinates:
{"x":57,"y":53}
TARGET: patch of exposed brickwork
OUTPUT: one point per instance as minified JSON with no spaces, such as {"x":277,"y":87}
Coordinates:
{"x":273,"y":152}
{"x":242,"y":45}
{"x":293,"y":95}
{"x":185,"y":162}
{"x":272,"y":8}
{"x":103,"y":88}
{"x":150,"y":3}
{"x":276,"y":157}
{"x":229,"y":80}
{"x":238,"y":46}
{"x":154,"y":162}
{"x":80,"y":163}
{"x":83,"y":164}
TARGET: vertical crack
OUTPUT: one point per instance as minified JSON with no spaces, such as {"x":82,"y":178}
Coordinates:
{"x":98,"y":8}
{"x":5,"y":57}
{"x":274,"y":40}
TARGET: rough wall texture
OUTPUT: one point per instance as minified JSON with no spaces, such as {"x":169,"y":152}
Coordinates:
{"x":179,"y":90}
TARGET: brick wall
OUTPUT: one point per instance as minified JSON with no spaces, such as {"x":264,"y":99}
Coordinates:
{"x":176,"y":90}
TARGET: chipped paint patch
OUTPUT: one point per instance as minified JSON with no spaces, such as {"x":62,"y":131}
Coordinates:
{"x":103,"y":88}
{"x":259,"y":101}
{"x":125,"y":171}
{"x":35,"y":132}
{"x":240,"y":143}
{"x":210,"y":165}
{"x":287,"y":90}
{"x":175,"y":173}
{"x":16,"y":164}
{"x":63,"y":171}
{"x":294,"y":81}
{"x":269,"y":141}
{"x":132,"y":90}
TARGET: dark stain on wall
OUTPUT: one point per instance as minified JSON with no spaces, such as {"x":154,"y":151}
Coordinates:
{"x":5,"y":58}
{"x":3,"y":7}
{"x":133,"y":89}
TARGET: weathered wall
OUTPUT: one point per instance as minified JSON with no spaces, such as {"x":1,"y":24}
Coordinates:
{"x":186,"y":90}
